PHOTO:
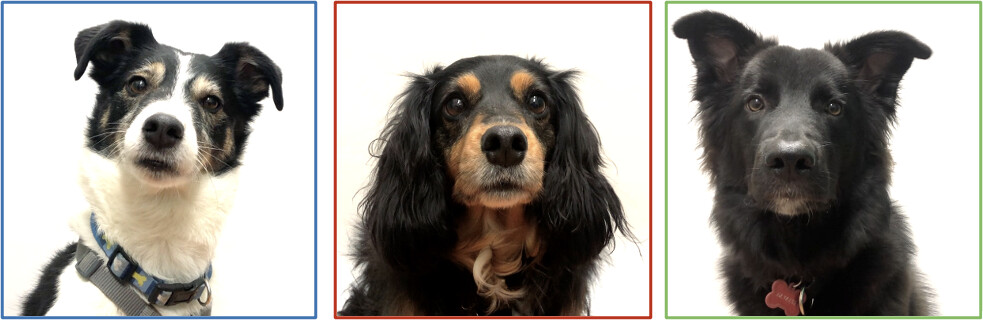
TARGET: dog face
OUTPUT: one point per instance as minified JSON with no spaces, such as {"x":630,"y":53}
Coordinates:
{"x":801,"y":124}
{"x":494,"y":129}
{"x":167,"y":116}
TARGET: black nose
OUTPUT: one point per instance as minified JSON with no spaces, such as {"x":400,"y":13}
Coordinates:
{"x":504,"y":145}
{"x":163,"y":131}
{"x":791,"y":159}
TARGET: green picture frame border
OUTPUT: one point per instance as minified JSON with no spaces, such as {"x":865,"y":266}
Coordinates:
{"x":666,"y":146}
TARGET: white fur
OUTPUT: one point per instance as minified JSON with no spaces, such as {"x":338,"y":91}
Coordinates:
{"x":185,"y":154}
{"x":169,"y":229}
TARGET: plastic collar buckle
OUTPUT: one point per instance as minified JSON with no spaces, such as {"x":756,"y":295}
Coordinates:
{"x":166,"y":294}
{"x":120,"y":264}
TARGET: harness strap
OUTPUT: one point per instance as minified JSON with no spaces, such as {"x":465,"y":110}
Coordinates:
{"x":89,"y":266}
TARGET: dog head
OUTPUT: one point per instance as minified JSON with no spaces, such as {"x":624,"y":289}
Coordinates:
{"x":493,"y":132}
{"x":803,"y":124}
{"x":493,"y":129}
{"x":167,"y":116}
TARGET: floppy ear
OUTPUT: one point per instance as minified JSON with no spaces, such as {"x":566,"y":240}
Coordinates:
{"x":719,"y":44}
{"x":878,"y":60}
{"x":406,"y":210}
{"x":253,"y":72}
{"x":107,"y":45}
{"x":579,"y":207}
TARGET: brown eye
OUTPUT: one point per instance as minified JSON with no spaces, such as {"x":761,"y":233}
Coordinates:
{"x":211,"y":104}
{"x":755,"y":104}
{"x":537,"y":104}
{"x":454,"y":106}
{"x":834,"y":108}
{"x":137,"y":85}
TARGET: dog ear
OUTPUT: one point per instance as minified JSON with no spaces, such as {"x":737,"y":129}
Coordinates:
{"x":719,"y":45}
{"x":878,"y":60}
{"x":107,"y":45}
{"x":407,"y":209}
{"x":254,"y":73}
{"x":578,"y":208}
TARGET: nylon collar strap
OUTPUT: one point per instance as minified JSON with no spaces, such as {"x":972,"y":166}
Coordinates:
{"x":155,"y":290}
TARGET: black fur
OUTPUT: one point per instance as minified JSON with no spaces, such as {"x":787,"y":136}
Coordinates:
{"x":116,"y":48}
{"x":409,"y":213}
{"x":46,"y":291}
{"x":796,"y":145}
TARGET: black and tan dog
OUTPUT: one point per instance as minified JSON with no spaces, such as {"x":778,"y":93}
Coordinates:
{"x":159,"y":170}
{"x":487,"y":197}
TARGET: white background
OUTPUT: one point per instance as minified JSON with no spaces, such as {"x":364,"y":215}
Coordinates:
{"x":266,"y":254}
{"x":935,"y":145}
{"x":607,"y":43}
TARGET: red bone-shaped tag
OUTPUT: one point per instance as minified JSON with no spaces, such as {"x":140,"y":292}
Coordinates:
{"x":783,"y":296}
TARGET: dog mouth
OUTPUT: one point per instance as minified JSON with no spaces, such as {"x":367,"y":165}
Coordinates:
{"x":156,"y":165}
{"x":503,"y":186}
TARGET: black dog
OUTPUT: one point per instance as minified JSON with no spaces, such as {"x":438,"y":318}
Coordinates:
{"x":795,"y":142}
{"x":487,"y":197}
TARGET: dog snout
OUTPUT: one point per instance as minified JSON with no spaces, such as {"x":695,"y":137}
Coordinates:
{"x":163,"y":131}
{"x":504,"y":145}
{"x":790,"y":159}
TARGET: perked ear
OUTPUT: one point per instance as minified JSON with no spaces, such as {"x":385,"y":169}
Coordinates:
{"x":719,"y":45}
{"x":107,"y":44}
{"x":253,"y":71}
{"x":878,"y":60}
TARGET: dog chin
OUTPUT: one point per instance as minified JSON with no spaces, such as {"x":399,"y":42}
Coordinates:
{"x":502,"y":199}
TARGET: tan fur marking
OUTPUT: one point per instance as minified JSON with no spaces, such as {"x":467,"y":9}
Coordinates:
{"x":521,"y":81}
{"x":153,"y":71}
{"x":203,"y":86}
{"x":229,"y":142}
{"x":492,"y":244}
{"x":495,"y":236}
{"x":470,"y":84}
{"x":465,"y":162}
{"x":104,"y":120}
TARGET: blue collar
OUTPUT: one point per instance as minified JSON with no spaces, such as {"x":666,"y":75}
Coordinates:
{"x":154,"y":289}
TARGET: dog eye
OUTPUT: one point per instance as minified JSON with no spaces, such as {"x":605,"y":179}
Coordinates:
{"x":755,"y":104}
{"x":211,"y":104}
{"x":834,"y":108}
{"x":537,"y":104}
{"x":137,"y":85}
{"x":454,"y":106}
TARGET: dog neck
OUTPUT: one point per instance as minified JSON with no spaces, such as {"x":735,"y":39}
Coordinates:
{"x":171,"y":233}
{"x":492,"y":244}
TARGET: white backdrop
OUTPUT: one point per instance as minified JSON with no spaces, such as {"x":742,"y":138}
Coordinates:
{"x":607,"y":43}
{"x":266,"y":255}
{"x":935,"y":145}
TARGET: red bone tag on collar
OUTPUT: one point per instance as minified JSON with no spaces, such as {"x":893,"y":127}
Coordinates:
{"x":783,"y":296}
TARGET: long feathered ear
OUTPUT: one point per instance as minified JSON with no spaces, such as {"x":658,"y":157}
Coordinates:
{"x":406,"y":210}
{"x":579,"y":206}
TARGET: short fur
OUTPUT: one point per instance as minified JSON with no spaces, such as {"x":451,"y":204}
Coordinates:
{"x":449,"y":228}
{"x":796,"y":145}
{"x":162,"y":200}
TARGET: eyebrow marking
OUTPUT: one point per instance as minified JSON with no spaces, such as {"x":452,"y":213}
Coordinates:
{"x":203,"y":85}
{"x":469,"y":83}
{"x":153,"y":71}
{"x":520,"y":82}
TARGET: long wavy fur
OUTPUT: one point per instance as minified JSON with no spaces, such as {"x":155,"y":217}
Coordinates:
{"x":408,"y":228}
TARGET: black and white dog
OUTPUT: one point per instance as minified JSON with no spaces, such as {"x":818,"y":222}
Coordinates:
{"x":163,"y":145}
